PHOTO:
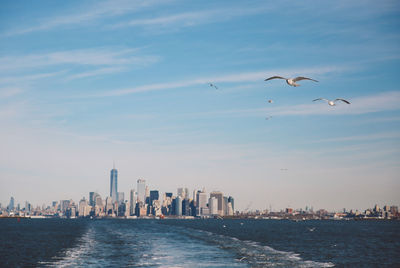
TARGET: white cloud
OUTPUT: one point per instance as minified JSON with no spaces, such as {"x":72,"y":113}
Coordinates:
{"x":231,"y":78}
{"x":186,"y":19}
{"x":10,"y":91}
{"x":386,"y":101}
{"x":98,"y":10}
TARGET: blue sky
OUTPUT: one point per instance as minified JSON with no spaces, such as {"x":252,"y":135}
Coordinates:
{"x":86,"y":83}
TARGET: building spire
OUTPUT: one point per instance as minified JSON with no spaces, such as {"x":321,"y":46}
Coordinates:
{"x":113,"y":164}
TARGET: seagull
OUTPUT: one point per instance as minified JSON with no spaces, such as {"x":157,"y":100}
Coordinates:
{"x":311,"y":229}
{"x":212,"y":85}
{"x":291,"y":81}
{"x":241,"y":223}
{"x":242,"y":258}
{"x":270,"y":101}
{"x":224,"y":226}
{"x":332,"y":103}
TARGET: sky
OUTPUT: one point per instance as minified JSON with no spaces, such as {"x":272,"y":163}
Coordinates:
{"x":84,"y":84}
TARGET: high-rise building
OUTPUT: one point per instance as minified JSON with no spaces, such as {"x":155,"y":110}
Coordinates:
{"x":232,"y":201}
{"x":141,"y":190}
{"x":114,"y":185}
{"x":213,"y":205}
{"x":132,"y":202}
{"x":220,"y":197}
{"x":183,"y":192}
{"x":201,"y":202}
{"x":225,"y":206}
{"x":154,"y":195}
{"x":11,"y":205}
{"x":121,"y":197}
{"x":178,"y":206}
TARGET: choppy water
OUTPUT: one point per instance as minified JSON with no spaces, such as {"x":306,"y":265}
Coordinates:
{"x":198,"y":243}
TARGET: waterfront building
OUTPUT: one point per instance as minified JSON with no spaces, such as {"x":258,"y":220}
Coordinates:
{"x":141,"y":190}
{"x":64,"y":205}
{"x":186,"y":211}
{"x":11,"y":205}
{"x":201,"y":201}
{"x":154,"y":195}
{"x":109,"y":206}
{"x":121,"y":197}
{"x":232,"y":201}
{"x":183,"y":192}
{"x":178,"y":206}
{"x":213,"y":205}
{"x":132,"y":202}
{"x":225,"y":206}
{"x":114,"y":185}
{"x":220,"y":197}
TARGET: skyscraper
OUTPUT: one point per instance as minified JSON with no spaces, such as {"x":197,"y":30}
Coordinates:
{"x":114,"y":185}
{"x":220,"y":197}
{"x":132,"y":202}
{"x":178,"y":206}
{"x":141,"y":190}
{"x":11,"y":205}
{"x":154,"y":195}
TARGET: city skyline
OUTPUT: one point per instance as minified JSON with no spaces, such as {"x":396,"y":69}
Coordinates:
{"x":174,"y":93}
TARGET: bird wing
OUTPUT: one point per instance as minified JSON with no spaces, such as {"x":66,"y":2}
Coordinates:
{"x":321,"y":99}
{"x":275,"y":77}
{"x":343,"y":101}
{"x":303,"y":78}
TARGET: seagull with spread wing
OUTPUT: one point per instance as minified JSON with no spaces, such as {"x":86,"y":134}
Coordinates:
{"x":332,"y":103}
{"x":291,"y":81}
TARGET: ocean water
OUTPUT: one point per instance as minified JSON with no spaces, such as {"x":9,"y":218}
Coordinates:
{"x":198,"y":243}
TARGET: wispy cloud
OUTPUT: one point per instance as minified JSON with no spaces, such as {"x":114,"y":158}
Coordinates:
{"x":91,"y":57}
{"x":88,"y":13}
{"x":92,"y":62}
{"x":230,"y":78}
{"x":385,"y":101}
{"x":370,"y":137}
{"x":10,"y":91}
{"x":192,"y":18}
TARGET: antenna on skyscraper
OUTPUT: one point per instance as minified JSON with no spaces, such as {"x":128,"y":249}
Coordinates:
{"x":113,"y":164}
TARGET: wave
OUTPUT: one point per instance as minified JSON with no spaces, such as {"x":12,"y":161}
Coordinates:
{"x":251,"y":252}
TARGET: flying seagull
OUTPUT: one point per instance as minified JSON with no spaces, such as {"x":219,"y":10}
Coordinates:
{"x":311,"y":229}
{"x":212,"y":85}
{"x":270,"y":101}
{"x":291,"y":81}
{"x":332,"y":103}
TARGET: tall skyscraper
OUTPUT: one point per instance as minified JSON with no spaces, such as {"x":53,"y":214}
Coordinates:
{"x":178,"y":206}
{"x":11,"y":205}
{"x":154,"y":195}
{"x":114,"y":185}
{"x":141,"y":190}
{"x":220,"y":197}
{"x":132,"y":202}
{"x":201,"y":201}
{"x":232,"y":201}
{"x":183,"y":192}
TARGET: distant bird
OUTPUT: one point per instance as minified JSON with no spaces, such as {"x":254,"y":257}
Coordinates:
{"x":242,"y":258}
{"x":268,"y":117}
{"x":284,"y":169}
{"x":241,"y":223}
{"x":212,"y":85}
{"x":224,"y":226}
{"x":291,"y":81}
{"x":332,"y":103}
{"x":311,"y":229}
{"x":270,"y":101}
